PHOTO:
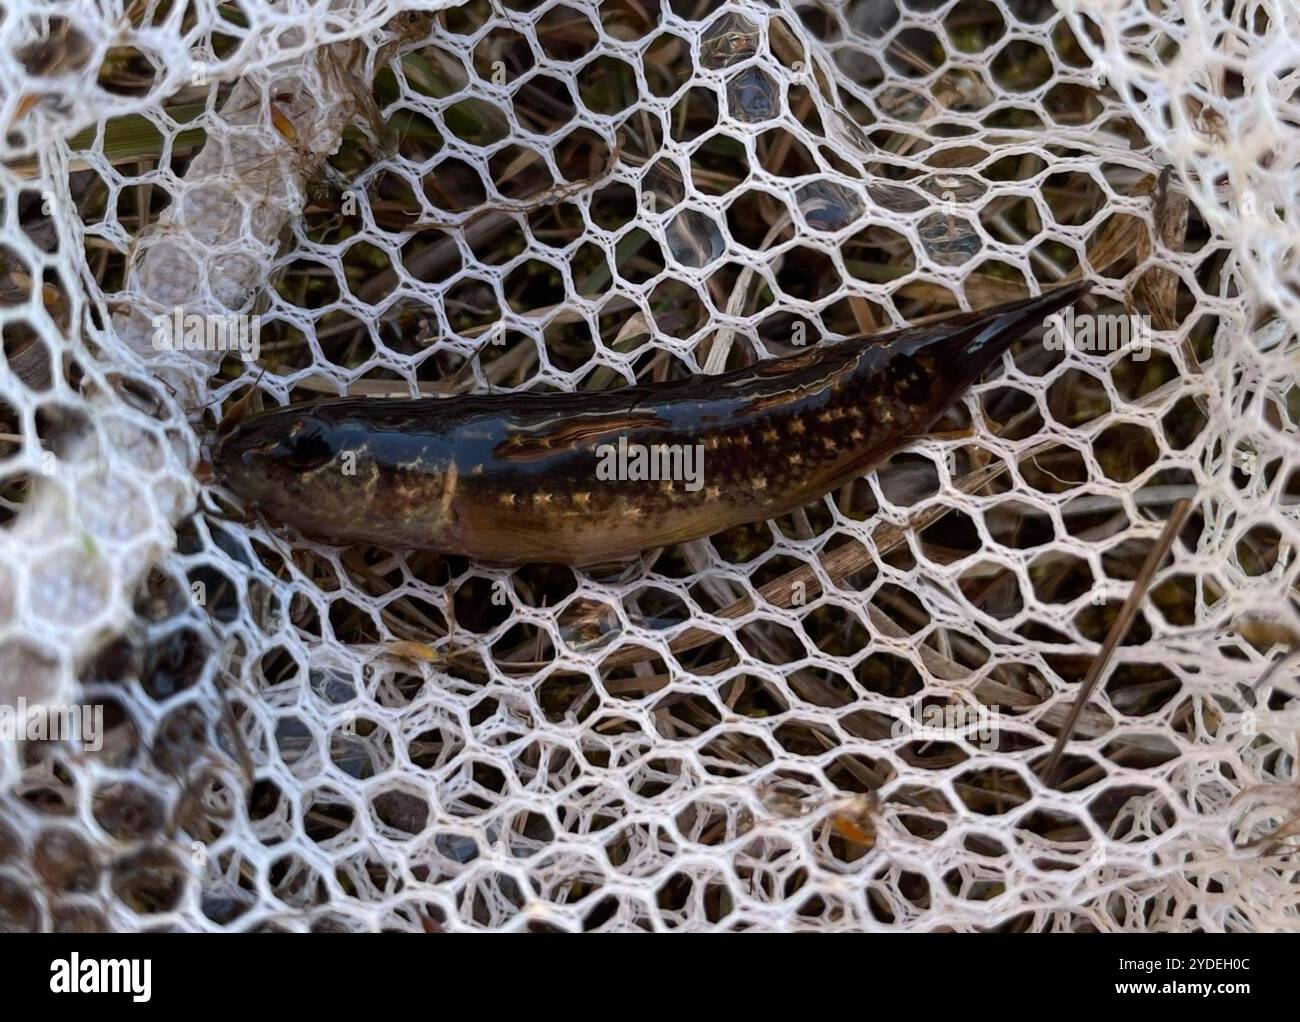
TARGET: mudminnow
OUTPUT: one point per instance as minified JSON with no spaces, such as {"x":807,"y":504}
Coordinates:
{"x":594,"y":478}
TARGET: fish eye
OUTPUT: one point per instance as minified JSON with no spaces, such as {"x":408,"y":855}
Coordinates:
{"x":306,"y":447}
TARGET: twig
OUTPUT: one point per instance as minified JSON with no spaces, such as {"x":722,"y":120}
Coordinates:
{"x":1118,"y":630}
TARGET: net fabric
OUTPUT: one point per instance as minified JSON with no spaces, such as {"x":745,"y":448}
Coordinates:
{"x":730,"y":735}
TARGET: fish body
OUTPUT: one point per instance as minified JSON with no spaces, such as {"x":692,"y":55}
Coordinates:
{"x":592,"y":478}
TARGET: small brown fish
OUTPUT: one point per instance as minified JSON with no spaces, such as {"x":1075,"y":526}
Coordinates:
{"x":597,"y":477}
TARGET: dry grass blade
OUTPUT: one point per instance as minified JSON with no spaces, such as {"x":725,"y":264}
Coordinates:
{"x":1157,"y":290}
{"x":1118,"y":630}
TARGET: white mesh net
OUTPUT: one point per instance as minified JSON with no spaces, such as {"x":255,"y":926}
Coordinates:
{"x":837,"y":720}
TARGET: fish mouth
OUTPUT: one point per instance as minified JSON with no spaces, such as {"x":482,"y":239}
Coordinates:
{"x":241,"y":450}
{"x":290,"y":443}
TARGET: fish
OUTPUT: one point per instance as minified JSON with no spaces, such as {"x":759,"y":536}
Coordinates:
{"x":596,"y":478}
